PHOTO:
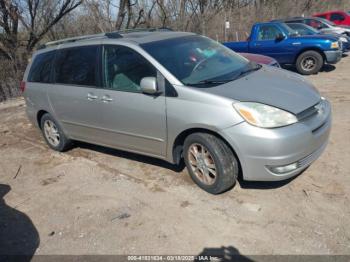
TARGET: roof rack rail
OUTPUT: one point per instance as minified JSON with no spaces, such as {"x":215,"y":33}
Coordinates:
{"x":79,"y":38}
{"x":152,"y":29}
{"x":115,"y":34}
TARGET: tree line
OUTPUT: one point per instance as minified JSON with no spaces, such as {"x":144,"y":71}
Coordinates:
{"x":24,"y":24}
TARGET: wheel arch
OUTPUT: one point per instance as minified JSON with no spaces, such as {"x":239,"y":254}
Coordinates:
{"x":39,"y":115}
{"x":316,"y":49}
{"x":177,"y":145}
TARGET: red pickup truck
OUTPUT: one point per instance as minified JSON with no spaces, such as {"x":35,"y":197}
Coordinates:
{"x":337,"y":17}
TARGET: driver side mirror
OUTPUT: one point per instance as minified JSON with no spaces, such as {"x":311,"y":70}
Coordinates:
{"x":149,"y":85}
{"x":279,"y":37}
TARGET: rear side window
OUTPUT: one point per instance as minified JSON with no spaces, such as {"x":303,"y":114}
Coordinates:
{"x":315,"y":24}
{"x":77,"y":66}
{"x":40,"y":70}
{"x":268,"y":32}
{"x":337,"y":17}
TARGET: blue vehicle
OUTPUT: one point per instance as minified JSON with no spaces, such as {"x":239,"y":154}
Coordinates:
{"x":303,"y":29}
{"x":308,"y":53}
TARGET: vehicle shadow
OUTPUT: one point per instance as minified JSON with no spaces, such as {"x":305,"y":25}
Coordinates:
{"x":19,"y":238}
{"x":132,"y":156}
{"x":179,"y":168}
{"x":222,"y":254}
{"x":326,"y":68}
{"x":267,"y":184}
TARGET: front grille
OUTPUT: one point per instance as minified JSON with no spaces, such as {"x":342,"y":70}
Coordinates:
{"x":311,"y":111}
{"x":310,"y":158}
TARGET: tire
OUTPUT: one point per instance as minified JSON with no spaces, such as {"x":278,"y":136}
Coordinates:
{"x":63,"y":143}
{"x":225,"y":162}
{"x":309,"y":62}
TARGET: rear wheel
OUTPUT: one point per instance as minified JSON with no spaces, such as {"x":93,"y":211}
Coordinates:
{"x":309,"y":62}
{"x":210,"y":162}
{"x":53,"y":134}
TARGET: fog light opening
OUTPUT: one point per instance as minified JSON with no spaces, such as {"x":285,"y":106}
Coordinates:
{"x":283,"y":169}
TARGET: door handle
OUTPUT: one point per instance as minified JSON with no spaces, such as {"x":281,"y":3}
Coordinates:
{"x":106,"y":98}
{"x":91,"y":96}
{"x":257,"y":44}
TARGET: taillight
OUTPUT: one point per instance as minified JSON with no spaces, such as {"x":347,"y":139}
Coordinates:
{"x":22,"y":86}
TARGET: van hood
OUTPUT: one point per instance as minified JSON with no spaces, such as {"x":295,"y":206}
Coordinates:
{"x":342,"y":28}
{"x":260,"y":59}
{"x":271,"y":86}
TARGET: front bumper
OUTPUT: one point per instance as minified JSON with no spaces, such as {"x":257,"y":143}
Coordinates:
{"x":346,"y":47}
{"x":333,"y":57}
{"x":259,"y":148}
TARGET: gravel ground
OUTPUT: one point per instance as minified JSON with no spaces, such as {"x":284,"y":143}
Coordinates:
{"x":95,"y":200}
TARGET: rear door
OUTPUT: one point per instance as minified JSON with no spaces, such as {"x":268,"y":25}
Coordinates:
{"x":132,"y":120}
{"x":75,"y":97}
{"x":265,"y":43}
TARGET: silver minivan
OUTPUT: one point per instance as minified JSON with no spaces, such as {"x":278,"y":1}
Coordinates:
{"x":173,"y":96}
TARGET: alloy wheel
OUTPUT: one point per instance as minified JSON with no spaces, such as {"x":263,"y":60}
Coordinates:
{"x":202,"y":164}
{"x":51,"y":133}
{"x":308,"y":63}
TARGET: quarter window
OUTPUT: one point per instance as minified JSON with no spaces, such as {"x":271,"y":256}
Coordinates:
{"x":77,"y":66}
{"x":124,"y":68}
{"x":337,"y":17}
{"x":268,"y":32}
{"x":41,"y":68}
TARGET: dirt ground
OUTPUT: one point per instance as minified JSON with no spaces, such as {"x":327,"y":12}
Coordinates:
{"x":95,"y":200}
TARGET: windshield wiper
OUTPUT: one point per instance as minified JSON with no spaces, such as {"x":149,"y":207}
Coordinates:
{"x":209,"y":82}
{"x":252,"y":69}
{"x":224,"y":81}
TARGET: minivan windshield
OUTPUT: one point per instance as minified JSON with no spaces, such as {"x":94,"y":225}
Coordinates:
{"x":325,"y":21}
{"x":303,"y":29}
{"x":199,"y":61}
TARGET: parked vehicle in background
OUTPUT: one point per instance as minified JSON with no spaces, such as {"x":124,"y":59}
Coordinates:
{"x":277,"y":40}
{"x":175,"y":95}
{"x":321,"y":24}
{"x":337,"y":17}
{"x":303,"y":29}
{"x":261,"y":59}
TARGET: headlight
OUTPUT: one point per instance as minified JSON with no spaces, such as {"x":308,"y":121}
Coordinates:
{"x":343,"y":39}
{"x":263,"y":115}
{"x":334,"y":45}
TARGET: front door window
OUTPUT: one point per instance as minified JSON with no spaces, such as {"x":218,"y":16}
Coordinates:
{"x":124,"y":68}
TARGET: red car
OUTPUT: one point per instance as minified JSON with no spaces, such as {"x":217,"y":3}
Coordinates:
{"x":260,"y":59}
{"x":337,"y":17}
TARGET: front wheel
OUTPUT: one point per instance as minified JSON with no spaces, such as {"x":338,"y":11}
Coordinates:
{"x":210,"y":162}
{"x":309,"y":62}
